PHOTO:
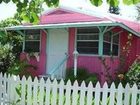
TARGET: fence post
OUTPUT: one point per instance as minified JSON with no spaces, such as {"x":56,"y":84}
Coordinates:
{"x":112,"y":94}
{"x":23,"y":90}
{"x":75,"y":93}
{"x":61,"y":93}
{"x":35,"y":91}
{"x":119,"y":94}
{"x":97,"y":93}
{"x":41,"y":92}
{"x":82,"y":93}
{"x":68,"y":93}
{"x":127,"y":94}
{"x":48,"y":90}
{"x":54,"y":92}
{"x":90,"y":94}
{"x":134,"y":95}
{"x":29,"y":91}
{"x":105,"y":92}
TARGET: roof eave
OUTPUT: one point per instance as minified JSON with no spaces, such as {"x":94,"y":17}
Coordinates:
{"x":68,"y":25}
{"x":129,"y":29}
{"x":62,"y":25}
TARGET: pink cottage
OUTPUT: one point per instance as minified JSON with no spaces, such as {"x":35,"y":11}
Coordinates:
{"x":67,"y":38}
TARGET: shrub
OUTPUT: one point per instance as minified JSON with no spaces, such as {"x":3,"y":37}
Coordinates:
{"x":20,"y":68}
{"x":82,"y":75}
{"x":6,"y":57}
{"x":133,"y":75}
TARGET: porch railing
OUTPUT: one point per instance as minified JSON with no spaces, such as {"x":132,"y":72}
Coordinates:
{"x":60,"y":67}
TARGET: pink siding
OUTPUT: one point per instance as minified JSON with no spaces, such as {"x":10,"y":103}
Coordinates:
{"x":134,"y":50}
{"x":41,"y":64}
{"x":138,"y":46}
{"x":94,"y":65}
{"x":65,"y":16}
{"x":91,"y":63}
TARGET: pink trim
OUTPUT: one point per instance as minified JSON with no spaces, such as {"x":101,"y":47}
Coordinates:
{"x":71,"y":45}
{"x":42,"y":65}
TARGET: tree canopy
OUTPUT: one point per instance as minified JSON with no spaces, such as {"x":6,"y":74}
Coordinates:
{"x":29,"y":10}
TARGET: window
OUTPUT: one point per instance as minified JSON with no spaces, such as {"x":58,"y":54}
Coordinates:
{"x":87,"y":40}
{"x":107,"y":44}
{"x":115,"y":45}
{"x":32,"y":41}
{"x":110,"y":44}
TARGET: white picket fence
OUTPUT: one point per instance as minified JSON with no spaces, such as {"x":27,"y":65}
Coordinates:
{"x":14,"y":91}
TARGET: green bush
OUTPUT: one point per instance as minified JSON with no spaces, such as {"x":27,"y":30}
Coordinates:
{"x":82,"y":75}
{"x":20,"y":68}
{"x":6,"y":57}
{"x":133,"y":75}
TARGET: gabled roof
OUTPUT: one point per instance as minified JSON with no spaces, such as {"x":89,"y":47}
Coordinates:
{"x":64,"y":18}
{"x":62,"y":15}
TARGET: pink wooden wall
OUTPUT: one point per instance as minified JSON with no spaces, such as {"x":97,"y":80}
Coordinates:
{"x":134,"y":49}
{"x":94,"y":65}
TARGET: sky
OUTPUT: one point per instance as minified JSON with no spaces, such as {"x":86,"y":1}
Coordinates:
{"x":8,"y":10}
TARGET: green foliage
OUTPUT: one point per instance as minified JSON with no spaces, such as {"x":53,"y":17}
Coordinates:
{"x":133,"y":75}
{"x":51,"y":3}
{"x":129,"y":2}
{"x":20,"y":68}
{"x":14,"y":40}
{"x":96,"y":2}
{"x":82,"y":75}
{"x":6,"y":57}
{"x":10,"y":45}
{"x":29,"y":10}
{"x":9,"y":22}
{"x":113,"y":3}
